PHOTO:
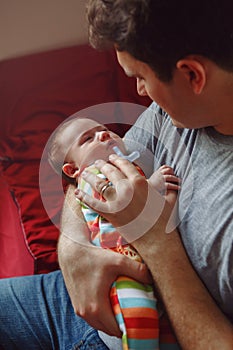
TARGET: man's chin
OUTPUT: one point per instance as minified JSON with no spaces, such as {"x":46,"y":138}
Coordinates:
{"x":181,"y":125}
{"x":178,"y":124}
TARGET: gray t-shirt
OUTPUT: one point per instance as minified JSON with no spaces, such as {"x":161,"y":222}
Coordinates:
{"x":203,"y":159}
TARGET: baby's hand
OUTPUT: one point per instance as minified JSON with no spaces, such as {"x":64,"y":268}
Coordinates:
{"x":166,"y":182}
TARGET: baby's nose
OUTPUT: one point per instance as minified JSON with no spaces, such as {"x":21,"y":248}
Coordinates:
{"x":104,"y":135}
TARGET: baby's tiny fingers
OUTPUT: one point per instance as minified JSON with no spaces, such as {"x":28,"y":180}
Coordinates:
{"x":165,"y":169}
{"x":172,"y":186}
{"x":171,"y":178}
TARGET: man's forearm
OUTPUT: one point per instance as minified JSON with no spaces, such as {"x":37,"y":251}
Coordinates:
{"x":73,"y":246}
{"x":196,"y":319}
{"x":74,"y":233}
{"x":73,"y":225}
{"x":73,"y":239}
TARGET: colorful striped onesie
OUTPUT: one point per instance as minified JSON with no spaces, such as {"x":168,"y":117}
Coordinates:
{"x":134,"y":304}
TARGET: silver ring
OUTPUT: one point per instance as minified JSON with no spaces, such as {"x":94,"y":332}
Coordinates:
{"x":104,"y":188}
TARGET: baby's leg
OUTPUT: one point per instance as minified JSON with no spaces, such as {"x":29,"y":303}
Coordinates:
{"x":135,"y":309}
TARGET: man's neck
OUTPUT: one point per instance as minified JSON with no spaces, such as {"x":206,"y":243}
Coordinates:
{"x":222,"y":98}
{"x":225,"y":126}
{"x":225,"y":129}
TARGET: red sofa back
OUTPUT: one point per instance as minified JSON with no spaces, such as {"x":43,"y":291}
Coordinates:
{"x":37,"y":93}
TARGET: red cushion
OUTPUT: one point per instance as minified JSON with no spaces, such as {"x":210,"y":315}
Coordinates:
{"x":37,"y":92}
{"x":15,"y":256}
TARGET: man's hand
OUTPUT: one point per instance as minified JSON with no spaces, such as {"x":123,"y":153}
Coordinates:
{"x":89,"y":272}
{"x":136,"y":206}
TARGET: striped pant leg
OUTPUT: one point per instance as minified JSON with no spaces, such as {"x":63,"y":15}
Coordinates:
{"x":135,"y":309}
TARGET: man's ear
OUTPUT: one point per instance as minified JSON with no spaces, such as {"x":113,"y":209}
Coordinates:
{"x":194,"y":71}
{"x":70,"y":170}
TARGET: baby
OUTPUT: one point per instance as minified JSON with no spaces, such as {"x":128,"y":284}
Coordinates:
{"x":74,"y":147}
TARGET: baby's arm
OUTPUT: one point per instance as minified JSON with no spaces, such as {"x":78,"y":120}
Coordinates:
{"x":166,"y":182}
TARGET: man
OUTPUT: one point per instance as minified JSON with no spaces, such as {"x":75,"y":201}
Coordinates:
{"x":184,"y":62}
{"x":181,"y":54}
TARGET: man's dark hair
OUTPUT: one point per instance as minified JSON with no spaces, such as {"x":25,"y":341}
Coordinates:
{"x":160,"y":32}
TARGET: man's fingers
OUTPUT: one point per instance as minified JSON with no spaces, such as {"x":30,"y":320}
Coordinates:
{"x":95,"y":204}
{"x":121,"y":199}
{"x":108,"y":322}
{"x":127,"y":168}
{"x":137,"y":271}
{"x":109,"y":170}
{"x":102,"y":319}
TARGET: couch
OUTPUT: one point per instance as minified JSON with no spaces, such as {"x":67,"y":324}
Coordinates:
{"x":37,"y":93}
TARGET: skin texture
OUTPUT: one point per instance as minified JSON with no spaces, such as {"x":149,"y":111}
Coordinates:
{"x":85,"y":138}
{"x":190,"y":101}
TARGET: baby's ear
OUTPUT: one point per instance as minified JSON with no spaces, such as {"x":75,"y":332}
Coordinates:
{"x":70,"y":170}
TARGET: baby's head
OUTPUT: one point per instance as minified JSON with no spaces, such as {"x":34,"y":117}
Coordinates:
{"x":78,"y":142}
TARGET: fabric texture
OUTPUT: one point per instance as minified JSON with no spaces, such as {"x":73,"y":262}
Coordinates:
{"x":203,"y":159}
{"x":37,"y":93}
{"x":46,"y":319}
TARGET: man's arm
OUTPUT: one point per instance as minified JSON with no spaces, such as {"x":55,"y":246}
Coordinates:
{"x":197,"y":321}
{"x":89,"y":271}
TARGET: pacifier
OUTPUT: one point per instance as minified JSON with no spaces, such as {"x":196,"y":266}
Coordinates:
{"x":131,"y":157}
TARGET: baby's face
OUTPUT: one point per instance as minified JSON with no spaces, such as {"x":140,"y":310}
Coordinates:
{"x":94,"y":141}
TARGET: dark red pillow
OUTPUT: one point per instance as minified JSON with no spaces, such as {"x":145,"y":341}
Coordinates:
{"x":37,"y":93}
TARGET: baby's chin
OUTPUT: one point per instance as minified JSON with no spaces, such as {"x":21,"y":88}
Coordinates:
{"x":102,"y":154}
{"x":91,"y":162}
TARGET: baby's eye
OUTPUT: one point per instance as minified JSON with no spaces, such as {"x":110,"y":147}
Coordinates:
{"x":86,"y":139}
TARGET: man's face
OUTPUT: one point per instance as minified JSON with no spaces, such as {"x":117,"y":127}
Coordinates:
{"x":91,"y":141}
{"x":175,"y":97}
